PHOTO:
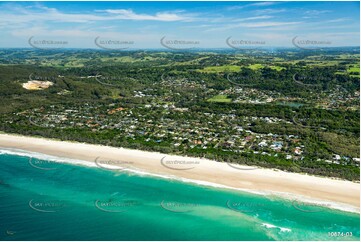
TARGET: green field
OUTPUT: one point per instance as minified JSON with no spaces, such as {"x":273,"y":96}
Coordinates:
{"x":354,"y":68}
{"x":277,"y":68}
{"x":260,"y":66}
{"x":256,"y":66}
{"x":220,"y":99}
{"x":217,"y":69}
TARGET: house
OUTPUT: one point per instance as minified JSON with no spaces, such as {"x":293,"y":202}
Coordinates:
{"x":263,"y":143}
{"x":197,"y":142}
{"x":277,"y":145}
{"x":248,"y":138}
{"x":297,"y":151}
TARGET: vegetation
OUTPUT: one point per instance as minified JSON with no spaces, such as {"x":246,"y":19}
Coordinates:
{"x":292,"y":110}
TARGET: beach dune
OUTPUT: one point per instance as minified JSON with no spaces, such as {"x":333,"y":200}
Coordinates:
{"x":268,"y":181}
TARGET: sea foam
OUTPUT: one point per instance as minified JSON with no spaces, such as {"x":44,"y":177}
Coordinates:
{"x":271,"y":226}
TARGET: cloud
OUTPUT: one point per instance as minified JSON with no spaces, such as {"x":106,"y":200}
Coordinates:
{"x":269,"y":11}
{"x":268,"y":24}
{"x":317,"y":12}
{"x":38,"y":13}
{"x":161,"y":16}
{"x":254,"y":25}
{"x":258,"y":4}
{"x":253,"y":18}
{"x":81,"y":25}
{"x":338,"y":20}
{"x":263,"y":3}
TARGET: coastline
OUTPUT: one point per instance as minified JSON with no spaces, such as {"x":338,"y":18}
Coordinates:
{"x":334,"y":193}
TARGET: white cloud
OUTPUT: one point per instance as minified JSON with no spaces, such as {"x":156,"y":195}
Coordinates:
{"x":258,"y":4}
{"x":317,"y":12}
{"x":254,"y":18}
{"x":338,"y":20}
{"x":269,"y":11}
{"x":263,"y":3}
{"x":161,"y":16}
{"x":19,"y":22}
{"x":252,"y":25}
{"x":268,"y":24}
{"x":314,"y":13}
{"x":29,"y":16}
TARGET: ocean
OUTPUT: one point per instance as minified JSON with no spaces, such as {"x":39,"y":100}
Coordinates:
{"x":46,"y":198}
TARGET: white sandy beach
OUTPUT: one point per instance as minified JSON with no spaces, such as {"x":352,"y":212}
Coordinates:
{"x":340,"y":193}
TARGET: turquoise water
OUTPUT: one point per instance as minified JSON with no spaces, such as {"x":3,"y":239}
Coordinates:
{"x":68,"y":202}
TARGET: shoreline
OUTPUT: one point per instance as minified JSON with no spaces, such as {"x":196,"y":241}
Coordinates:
{"x":333,"y":193}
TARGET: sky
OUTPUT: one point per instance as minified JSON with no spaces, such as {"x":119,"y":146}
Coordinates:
{"x":143,"y":25}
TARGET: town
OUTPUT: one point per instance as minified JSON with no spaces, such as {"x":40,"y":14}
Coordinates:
{"x":213,"y":105}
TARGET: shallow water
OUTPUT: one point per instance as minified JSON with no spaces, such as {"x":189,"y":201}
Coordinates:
{"x":43,"y":200}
